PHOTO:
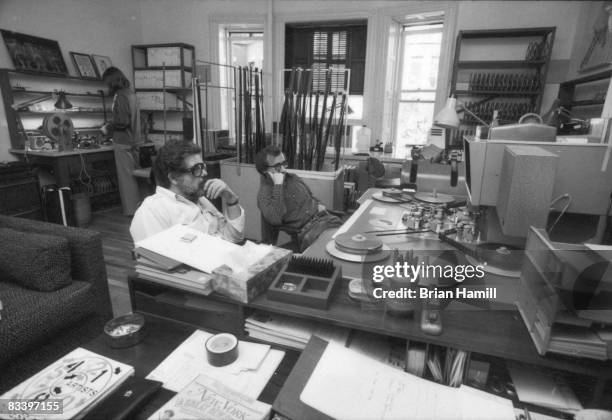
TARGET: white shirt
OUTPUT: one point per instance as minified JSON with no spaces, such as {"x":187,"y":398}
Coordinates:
{"x":165,"y":209}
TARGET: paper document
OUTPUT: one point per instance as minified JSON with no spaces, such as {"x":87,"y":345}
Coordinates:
{"x":365,"y":388}
{"x":201,"y":251}
{"x":248,"y":375}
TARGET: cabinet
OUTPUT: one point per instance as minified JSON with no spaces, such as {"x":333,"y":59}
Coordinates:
{"x":19,"y":191}
{"x":500,"y":70}
{"x":162,"y":81}
{"x":584,"y":97}
{"x":28,"y":98}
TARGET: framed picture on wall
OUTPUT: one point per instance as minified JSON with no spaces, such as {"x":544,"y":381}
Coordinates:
{"x":34,"y":54}
{"x":84,"y":65}
{"x":102,"y":63}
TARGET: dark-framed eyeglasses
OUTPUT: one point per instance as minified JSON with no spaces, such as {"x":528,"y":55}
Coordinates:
{"x":278,"y":166}
{"x":196,"y":170}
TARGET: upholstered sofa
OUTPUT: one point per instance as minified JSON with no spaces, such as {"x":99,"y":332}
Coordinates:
{"x":54,"y":294}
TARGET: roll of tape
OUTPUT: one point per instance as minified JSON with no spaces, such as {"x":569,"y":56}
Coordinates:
{"x":222,"y":349}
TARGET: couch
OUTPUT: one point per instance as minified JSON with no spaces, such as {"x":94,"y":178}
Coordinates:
{"x":54,"y":294}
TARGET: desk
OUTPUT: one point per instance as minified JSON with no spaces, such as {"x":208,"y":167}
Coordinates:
{"x":491,"y":330}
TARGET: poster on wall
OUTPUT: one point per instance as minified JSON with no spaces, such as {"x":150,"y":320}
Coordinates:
{"x":31,"y":53}
{"x":599,"y":51}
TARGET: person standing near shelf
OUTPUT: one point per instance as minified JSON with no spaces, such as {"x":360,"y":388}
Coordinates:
{"x":124,"y":128}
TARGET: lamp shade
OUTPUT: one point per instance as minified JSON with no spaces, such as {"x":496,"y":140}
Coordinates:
{"x":447,"y":117}
{"x":62,"y":101}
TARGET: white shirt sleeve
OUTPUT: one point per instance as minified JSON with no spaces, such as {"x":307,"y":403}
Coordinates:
{"x":148,"y":221}
{"x":234,"y":229}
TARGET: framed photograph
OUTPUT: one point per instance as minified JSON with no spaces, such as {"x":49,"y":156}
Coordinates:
{"x":84,"y":65}
{"x":34,"y":54}
{"x":102,"y":63}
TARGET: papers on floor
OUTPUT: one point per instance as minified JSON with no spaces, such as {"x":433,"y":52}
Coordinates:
{"x":202,"y":251}
{"x":248,"y":375}
{"x":208,"y":399}
{"x":291,"y":332}
{"x":81,"y":379}
{"x":538,"y":387}
{"x":366,"y":388}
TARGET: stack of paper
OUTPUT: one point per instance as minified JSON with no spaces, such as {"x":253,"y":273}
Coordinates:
{"x":207,"y":399}
{"x":291,"y":332}
{"x":81,"y":379}
{"x":248,"y":375}
{"x":365,"y":388}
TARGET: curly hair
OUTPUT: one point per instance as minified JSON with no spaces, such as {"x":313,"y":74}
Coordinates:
{"x":261,"y":158}
{"x":170,"y":158}
{"x":115,"y":79}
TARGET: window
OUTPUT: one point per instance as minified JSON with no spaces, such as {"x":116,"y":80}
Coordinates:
{"x":420,"y":46}
{"x":337,"y":45}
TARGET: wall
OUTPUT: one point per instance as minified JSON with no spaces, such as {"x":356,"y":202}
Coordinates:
{"x":196,"y":17}
{"x":106,"y":28}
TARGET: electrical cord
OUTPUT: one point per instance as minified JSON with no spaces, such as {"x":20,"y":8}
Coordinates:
{"x":569,"y":201}
{"x":87,"y":180}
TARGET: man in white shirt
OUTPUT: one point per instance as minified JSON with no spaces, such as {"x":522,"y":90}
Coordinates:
{"x":182,"y":197}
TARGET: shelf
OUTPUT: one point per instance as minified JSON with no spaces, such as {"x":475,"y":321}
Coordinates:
{"x":162,"y":110}
{"x":67,"y":111}
{"x":167,"y":68}
{"x":494,"y":93}
{"x":51,"y":75}
{"x":591,"y":102}
{"x":175,"y":90}
{"x":489,"y":64}
{"x":166,"y":131}
{"x":43,"y":92}
{"x":507,"y":33}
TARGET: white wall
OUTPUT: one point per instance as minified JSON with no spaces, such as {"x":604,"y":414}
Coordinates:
{"x":103,"y":27}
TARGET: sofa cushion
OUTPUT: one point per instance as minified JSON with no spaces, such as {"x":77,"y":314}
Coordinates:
{"x":34,"y":260}
{"x":31,"y":317}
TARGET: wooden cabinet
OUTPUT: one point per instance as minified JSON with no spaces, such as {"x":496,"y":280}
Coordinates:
{"x":500,"y":70}
{"x":28,"y":98}
{"x":162,"y":81}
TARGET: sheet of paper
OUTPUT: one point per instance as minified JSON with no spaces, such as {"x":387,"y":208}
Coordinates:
{"x":188,"y":361}
{"x":351,"y":220}
{"x":366,"y":388}
{"x":204,"y":252}
{"x":378,"y":211}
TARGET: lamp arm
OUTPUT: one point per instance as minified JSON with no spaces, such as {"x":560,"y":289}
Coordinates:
{"x":31,"y":102}
{"x":467,"y":111}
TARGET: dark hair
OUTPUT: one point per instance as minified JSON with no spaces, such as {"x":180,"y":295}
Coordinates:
{"x":261,"y":158}
{"x":170,"y":158}
{"x":116,"y":79}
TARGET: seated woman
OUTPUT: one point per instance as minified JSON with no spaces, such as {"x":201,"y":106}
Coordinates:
{"x":286,"y":202}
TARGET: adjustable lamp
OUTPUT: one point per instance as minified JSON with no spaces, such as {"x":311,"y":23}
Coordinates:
{"x":62,"y":101}
{"x":448,"y":118}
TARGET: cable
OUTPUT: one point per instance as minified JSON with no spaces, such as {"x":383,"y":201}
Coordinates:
{"x":569,"y":201}
{"x":87,"y":180}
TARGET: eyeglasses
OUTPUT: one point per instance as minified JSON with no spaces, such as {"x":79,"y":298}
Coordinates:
{"x":196,"y":170}
{"x":279,"y":165}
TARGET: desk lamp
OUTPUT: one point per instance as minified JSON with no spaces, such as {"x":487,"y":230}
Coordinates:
{"x":61,"y":103}
{"x":448,"y":118}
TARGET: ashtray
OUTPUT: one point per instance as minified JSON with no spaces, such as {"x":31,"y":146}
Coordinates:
{"x":125,"y":330}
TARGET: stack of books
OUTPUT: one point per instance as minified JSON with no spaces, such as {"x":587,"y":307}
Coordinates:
{"x":69,"y":387}
{"x":170,"y":272}
{"x":291,"y":332}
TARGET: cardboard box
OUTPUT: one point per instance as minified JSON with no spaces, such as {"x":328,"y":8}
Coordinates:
{"x":255,"y":281}
{"x":154,"y":79}
{"x":155,"y":100}
{"x":168,"y":56}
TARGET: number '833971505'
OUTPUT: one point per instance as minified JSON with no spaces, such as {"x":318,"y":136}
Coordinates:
{"x":29,"y":407}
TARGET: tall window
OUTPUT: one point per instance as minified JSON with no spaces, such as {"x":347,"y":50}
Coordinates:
{"x":337,"y":45}
{"x":417,"y":82}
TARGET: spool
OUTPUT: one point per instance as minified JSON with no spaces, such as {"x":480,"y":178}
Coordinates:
{"x":221,"y":349}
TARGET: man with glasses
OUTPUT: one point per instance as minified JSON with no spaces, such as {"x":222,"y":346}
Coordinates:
{"x":182,"y":197}
{"x":287,"y":203}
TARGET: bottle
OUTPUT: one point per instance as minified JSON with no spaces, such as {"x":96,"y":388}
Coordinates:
{"x":363,"y":139}
{"x":495,"y":121}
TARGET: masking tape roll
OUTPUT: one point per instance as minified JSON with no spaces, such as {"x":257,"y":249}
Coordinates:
{"x":221,"y":349}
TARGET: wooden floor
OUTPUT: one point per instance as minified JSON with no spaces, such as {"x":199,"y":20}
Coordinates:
{"x":117,"y":246}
